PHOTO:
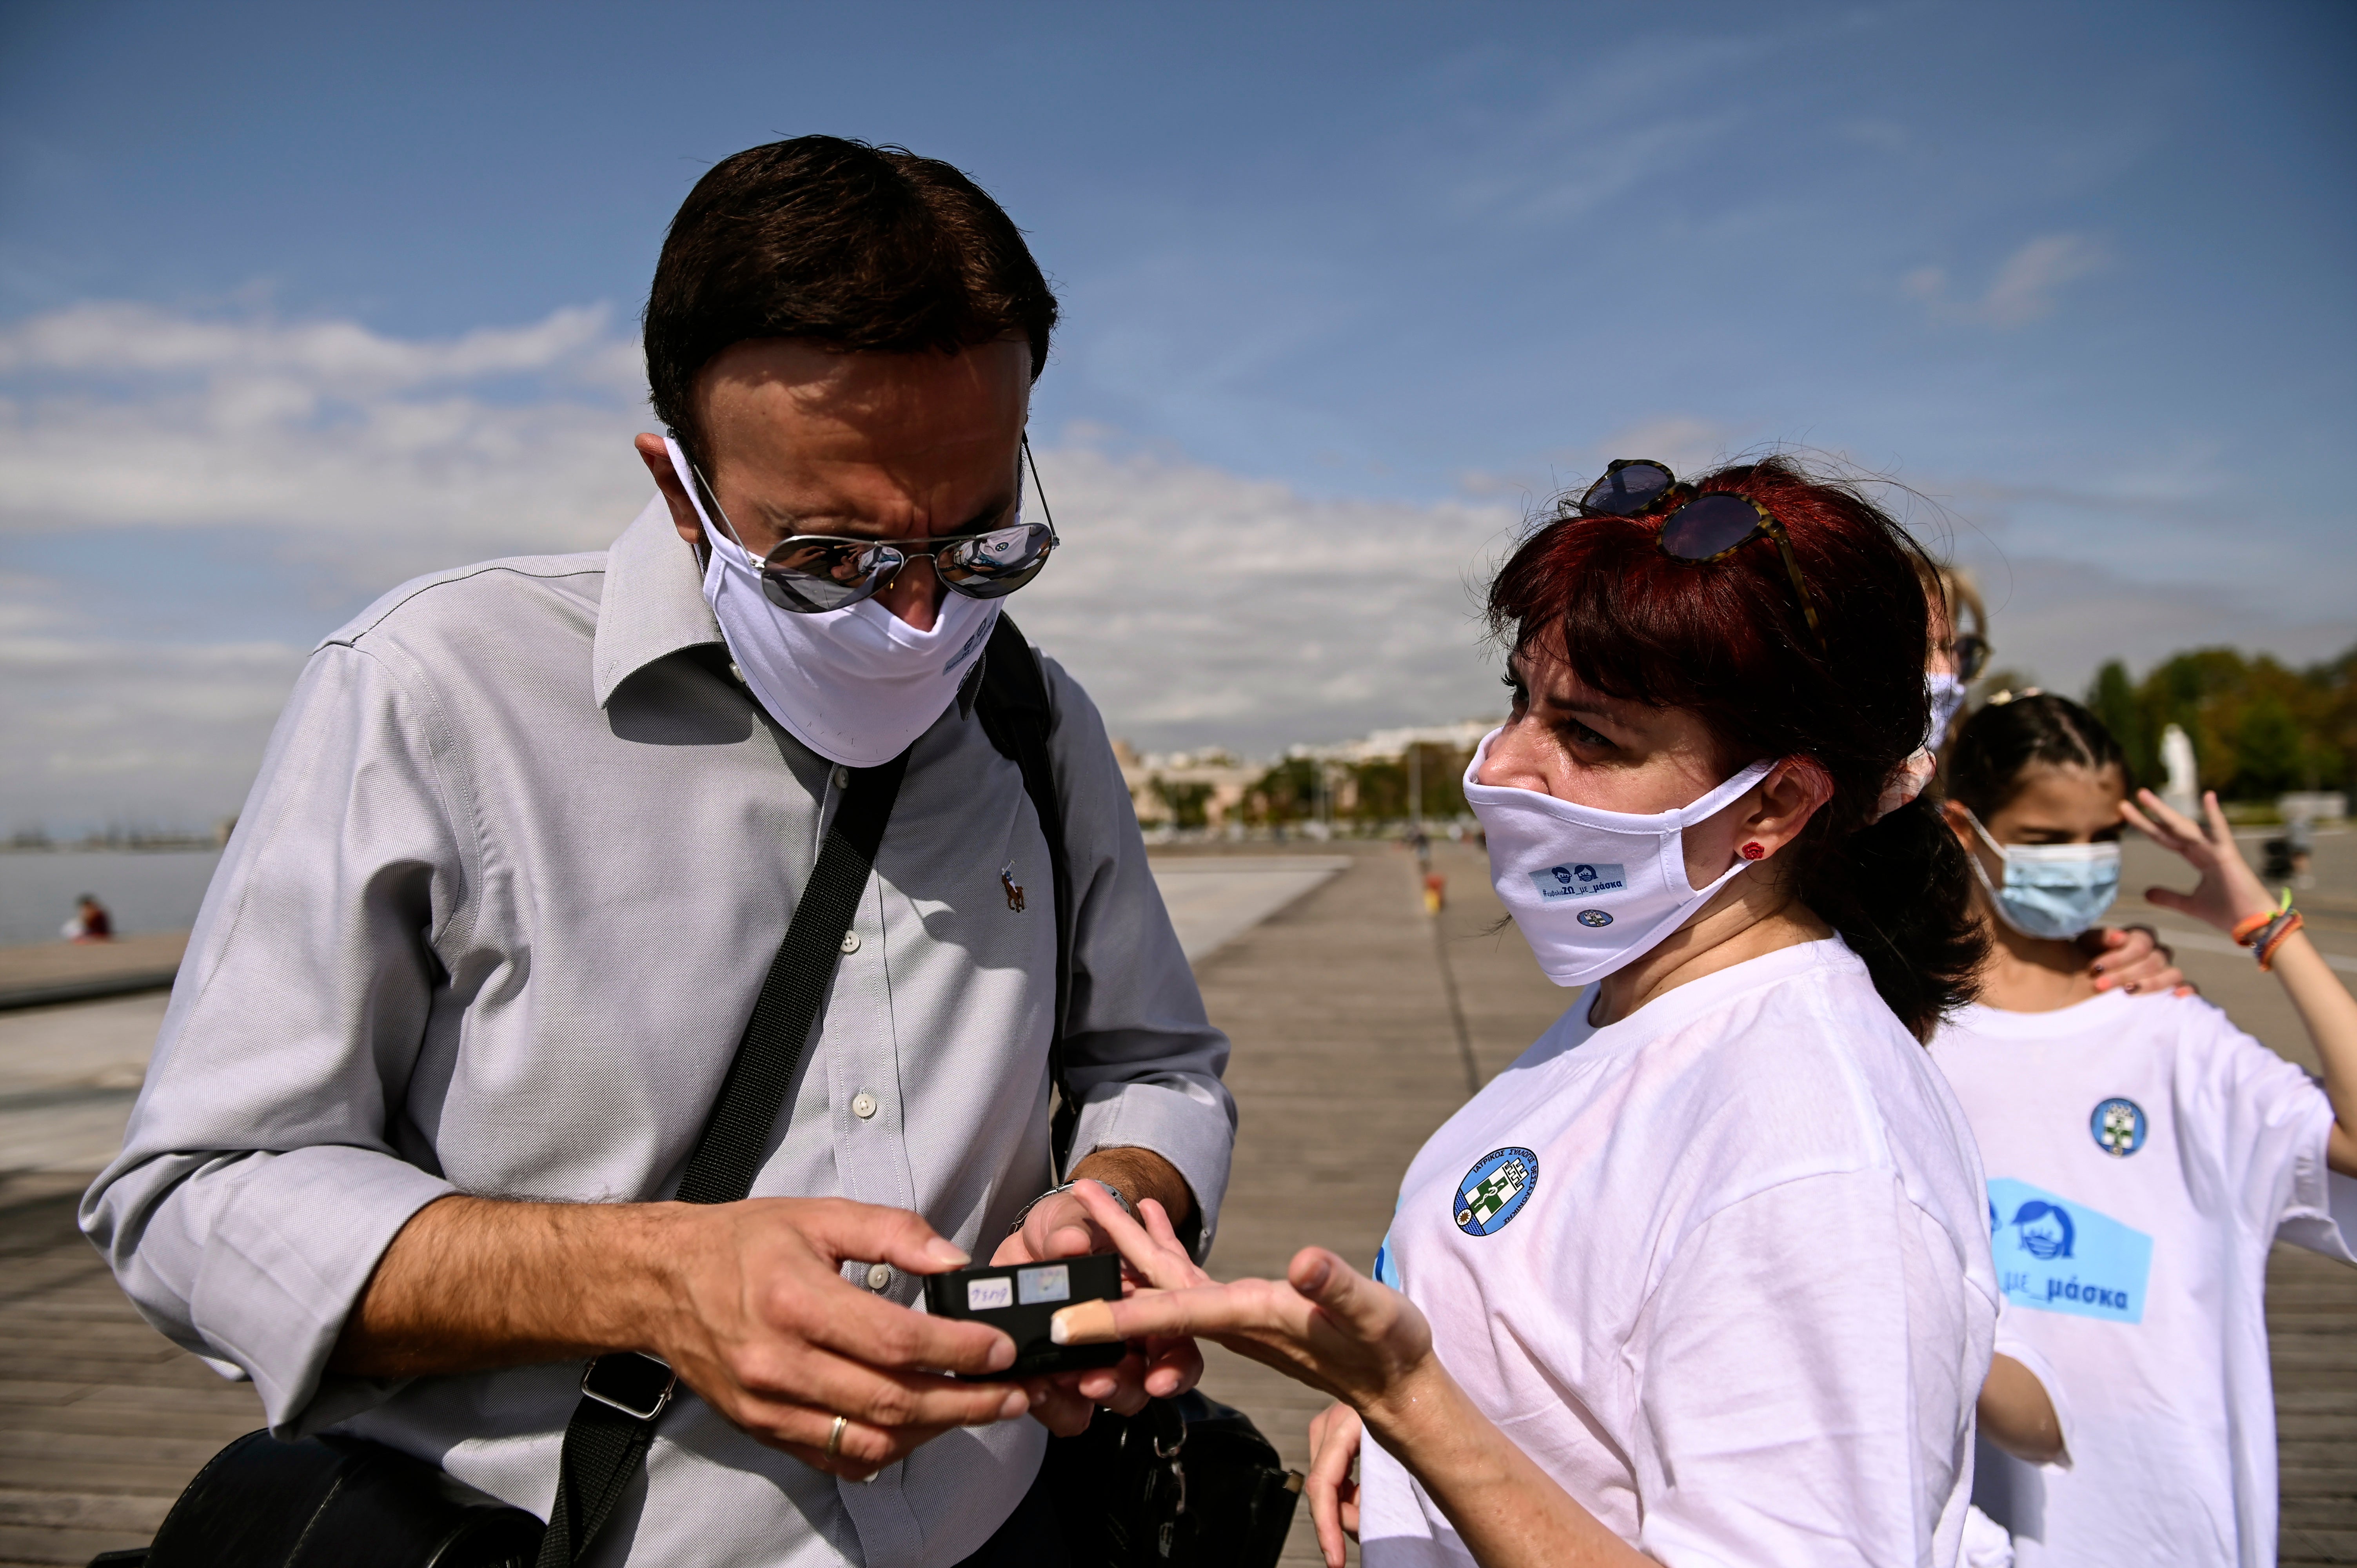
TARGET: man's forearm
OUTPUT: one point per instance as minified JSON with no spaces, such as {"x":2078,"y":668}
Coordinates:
{"x":1140,"y":1174}
{"x":471,"y":1284}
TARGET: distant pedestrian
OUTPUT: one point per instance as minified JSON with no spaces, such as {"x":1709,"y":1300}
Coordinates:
{"x":91,"y":923}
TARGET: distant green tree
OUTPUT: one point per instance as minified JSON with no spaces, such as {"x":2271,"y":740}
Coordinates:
{"x":2112,"y":699}
{"x":1285,"y":793}
{"x":1185,"y":800}
{"x":2270,"y":752}
{"x":2257,"y":728}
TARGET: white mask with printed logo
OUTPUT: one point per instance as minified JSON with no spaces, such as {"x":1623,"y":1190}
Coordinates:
{"x":1593,"y":890}
{"x":856,"y":685}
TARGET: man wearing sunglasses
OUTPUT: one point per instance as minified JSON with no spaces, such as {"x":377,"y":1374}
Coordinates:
{"x":471,"y":976}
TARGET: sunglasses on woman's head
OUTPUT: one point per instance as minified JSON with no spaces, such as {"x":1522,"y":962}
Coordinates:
{"x":1697,"y":529}
{"x":810,"y":573}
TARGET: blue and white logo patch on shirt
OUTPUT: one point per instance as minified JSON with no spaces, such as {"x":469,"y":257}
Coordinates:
{"x":1494,"y":1190}
{"x":2060,"y":1256}
{"x":2118,"y":1127}
{"x":1580,"y":880}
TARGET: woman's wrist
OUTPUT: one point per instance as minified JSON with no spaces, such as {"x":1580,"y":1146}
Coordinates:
{"x":1419,"y":1406}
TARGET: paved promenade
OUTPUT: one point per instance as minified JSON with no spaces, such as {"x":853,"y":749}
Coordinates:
{"x":1360,"y":1024}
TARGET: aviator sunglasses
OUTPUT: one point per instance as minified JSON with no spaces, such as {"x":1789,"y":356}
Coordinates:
{"x":810,"y":574}
{"x":1704,"y":528}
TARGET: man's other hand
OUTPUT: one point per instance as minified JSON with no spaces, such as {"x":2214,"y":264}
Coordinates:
{"x":1061,"y":1227}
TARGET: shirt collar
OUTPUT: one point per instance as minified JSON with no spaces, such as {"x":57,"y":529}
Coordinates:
{"x":653,"y":603}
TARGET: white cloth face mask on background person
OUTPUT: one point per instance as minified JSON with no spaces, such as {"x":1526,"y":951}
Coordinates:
{"x":1593,"y":890}
{"x":1947,"y":695}
{"x":856,"y":685}
{"x":2051,"y":890}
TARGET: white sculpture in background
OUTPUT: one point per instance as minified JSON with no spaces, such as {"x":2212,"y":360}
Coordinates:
{"x":2183,"y":788}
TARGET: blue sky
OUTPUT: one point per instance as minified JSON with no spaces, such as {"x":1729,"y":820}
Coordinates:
{"x":298,"y":301}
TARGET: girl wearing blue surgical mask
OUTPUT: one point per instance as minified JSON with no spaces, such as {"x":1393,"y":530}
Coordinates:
{"x":2142,"y":1154}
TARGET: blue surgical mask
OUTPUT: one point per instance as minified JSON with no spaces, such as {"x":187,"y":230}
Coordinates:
{"x":2052,"y":890}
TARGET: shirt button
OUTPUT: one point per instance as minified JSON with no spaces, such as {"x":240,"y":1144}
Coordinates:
{"x":841,"y":777}
{"x":851,"y":941}
{"x":735,"y":674}
{"x":879,"y":1275}
{"x":863,"y":1105}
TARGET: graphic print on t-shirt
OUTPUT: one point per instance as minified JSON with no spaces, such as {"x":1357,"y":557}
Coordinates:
{"x":2058,"y":1255}
{"x":1495,"y":1189}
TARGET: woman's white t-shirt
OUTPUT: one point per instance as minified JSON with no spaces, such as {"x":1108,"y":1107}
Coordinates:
{"x":2142,"y":1154}
{"x":1721,"y":1269}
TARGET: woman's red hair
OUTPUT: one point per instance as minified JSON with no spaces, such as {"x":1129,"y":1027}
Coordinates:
{"x":1728,"y":640}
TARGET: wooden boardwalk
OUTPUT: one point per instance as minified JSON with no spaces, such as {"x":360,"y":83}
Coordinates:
{"x":1360,"y":1024}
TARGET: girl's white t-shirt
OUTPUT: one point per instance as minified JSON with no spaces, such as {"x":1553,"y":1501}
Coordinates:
{"x":2142,"y":1156}
{"x":1720,"y":1268}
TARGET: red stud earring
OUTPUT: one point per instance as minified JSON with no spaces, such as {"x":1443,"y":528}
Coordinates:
{"x":1753,"y":851}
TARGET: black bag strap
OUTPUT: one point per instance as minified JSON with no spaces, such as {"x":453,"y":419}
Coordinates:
{"x":606,"y":1439}
{"x":1014,"y":711}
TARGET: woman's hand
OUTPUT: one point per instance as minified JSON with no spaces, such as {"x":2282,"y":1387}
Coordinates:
{"x":1065,"y":1403}
{"x":1334,"y":1435}
{"x":2230,"y":891}
{"x":2135,"y":959}
{"x":1325,"y":1325}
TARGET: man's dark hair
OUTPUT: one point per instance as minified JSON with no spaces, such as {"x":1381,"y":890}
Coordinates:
{"x":853,"y":246}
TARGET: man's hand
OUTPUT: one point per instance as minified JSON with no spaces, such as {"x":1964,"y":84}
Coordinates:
{"x":746,"y":1301}
{"x":1063,"y":1226}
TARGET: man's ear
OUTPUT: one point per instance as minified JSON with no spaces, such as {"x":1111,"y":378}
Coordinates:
{"x":657,"y":458}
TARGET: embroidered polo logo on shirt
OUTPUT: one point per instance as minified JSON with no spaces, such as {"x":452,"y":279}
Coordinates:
{"x":2118,"y":1127}
{"x":1014,"y":890}
{"x":2060,"y":1256}
{"x":1495,"y":1189}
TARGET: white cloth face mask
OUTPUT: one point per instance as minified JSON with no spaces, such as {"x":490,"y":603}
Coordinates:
{"x":856,"y":685}
{"x":1593,"y":890}
{"x":1947,"y":695}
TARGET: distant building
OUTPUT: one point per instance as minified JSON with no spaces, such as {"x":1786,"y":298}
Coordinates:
{"x":1216,"y":789}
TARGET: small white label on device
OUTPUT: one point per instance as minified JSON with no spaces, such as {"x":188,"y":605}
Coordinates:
{"x":1044,"y":1285}
{"x":982,"y":1296}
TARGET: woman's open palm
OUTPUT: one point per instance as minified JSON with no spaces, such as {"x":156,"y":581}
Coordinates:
{"x":1324,"y":1324}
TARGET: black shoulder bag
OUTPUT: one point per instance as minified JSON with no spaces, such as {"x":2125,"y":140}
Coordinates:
{"x":1124,"y":1494}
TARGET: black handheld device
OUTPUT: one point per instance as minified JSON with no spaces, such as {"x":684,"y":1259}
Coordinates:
{"x":1019,"y":1300}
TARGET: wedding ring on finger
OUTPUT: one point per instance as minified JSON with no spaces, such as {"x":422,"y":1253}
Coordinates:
{"x":834,"y":1437}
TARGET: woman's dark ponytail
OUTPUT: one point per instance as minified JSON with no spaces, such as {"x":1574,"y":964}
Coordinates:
{"x":1900,"y":892}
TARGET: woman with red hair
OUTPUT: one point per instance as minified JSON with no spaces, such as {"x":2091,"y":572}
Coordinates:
{"x":1704,"y":1277}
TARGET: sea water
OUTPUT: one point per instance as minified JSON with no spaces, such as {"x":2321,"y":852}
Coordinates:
{"x":145,"y":890}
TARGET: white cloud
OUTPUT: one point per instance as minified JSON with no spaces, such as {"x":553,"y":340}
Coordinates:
{"x":2024,"y":287}
{"x":1200,"y":606}
{"x":1197,"y":606}
{"x":106,"y":729}
{"x":380,"y":456}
